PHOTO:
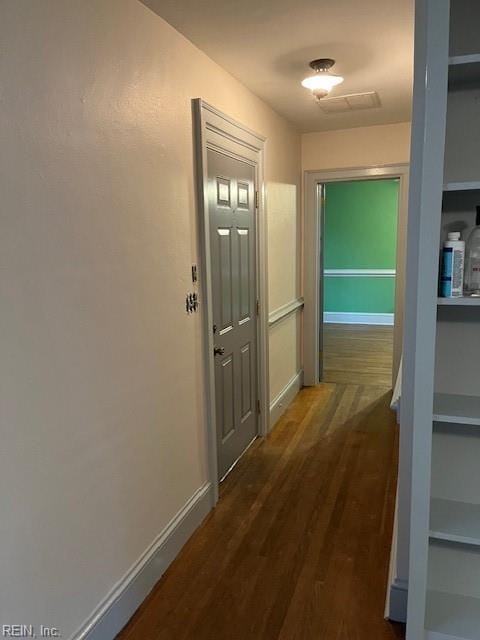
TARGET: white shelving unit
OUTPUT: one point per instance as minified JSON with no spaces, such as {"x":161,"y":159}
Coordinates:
{"x":442,"y":336}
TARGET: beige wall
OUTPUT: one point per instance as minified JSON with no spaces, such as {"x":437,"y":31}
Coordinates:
{"x":359,"y":147}
{"x":101,"y":374}
{"x":284,"y":242}
{"x":367,"y":147}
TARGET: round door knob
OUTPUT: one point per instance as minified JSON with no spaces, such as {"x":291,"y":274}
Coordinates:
{"x":218,"y":351}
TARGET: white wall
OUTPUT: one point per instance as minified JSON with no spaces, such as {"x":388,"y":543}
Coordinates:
{"x":284,"y":250}
{"x":102,"y":394}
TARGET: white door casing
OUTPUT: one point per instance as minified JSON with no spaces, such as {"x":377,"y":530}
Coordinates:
{"x":313,"y":258}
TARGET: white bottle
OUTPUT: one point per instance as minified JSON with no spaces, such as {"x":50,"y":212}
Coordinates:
{"x":472,"y":264}
{"x":453,"y":262}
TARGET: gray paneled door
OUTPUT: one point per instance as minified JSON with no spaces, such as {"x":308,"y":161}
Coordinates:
{"x":231,"y":188}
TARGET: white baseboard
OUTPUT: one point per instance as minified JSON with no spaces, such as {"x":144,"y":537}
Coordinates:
{"x":398,"y":598}
{"x":117,"y":608}
{"x":286,"y":395}
{"x":397,"y":592}
{"x":358,"y":318}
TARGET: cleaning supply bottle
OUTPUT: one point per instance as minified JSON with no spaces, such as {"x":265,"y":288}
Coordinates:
{"x":472,"y":264}
{"x":453,"y":261}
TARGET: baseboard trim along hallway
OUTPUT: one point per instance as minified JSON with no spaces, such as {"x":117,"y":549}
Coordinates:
{"x":345,"y":317}
{"x":121,"y":603}
{"x":398,"y":598}
{"x":397,"y":592}
{"x":284,"y":398}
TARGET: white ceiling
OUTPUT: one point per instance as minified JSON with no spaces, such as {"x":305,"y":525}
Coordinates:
{"x":267,"y":45}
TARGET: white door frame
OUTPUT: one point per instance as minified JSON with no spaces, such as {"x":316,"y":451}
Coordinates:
{"x":215,"y":130}
{"x":312,"y":249}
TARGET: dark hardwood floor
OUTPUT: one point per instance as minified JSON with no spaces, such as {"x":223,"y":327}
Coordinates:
{"x":298,"y":546}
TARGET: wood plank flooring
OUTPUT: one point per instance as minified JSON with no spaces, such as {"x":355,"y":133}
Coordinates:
{"x":298,"y":546}
{"x":358,"y":354}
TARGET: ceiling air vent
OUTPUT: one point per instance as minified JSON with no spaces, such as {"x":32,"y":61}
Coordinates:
{"x":351,"y":102}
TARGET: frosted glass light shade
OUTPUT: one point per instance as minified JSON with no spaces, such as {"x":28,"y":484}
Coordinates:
{"x":321,"y":82}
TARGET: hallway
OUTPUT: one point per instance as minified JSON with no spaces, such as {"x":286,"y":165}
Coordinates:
{"x":298,"y":546}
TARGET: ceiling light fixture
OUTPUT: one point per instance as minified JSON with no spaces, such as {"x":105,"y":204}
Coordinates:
{"x":323,"y":81}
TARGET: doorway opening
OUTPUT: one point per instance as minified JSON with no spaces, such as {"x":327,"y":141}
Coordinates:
{"x":355,"y":224}
{"x":359,"y":220}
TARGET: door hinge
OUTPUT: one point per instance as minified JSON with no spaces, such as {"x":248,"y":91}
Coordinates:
{"x":258,"y":406}
{"x":256,"y":199}
{"x":258,"y":307}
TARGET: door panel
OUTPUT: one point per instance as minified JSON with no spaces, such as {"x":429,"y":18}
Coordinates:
{"x":233,"y":256}
{"x":225,"y":300}
{"x":226,"y":386}
{"x":246,"y":380}
{"x":244,"y":273}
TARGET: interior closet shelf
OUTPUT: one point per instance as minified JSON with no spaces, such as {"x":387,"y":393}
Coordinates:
{"x":451,"y":616}
{"x":459,"y":302}
{"x":469,"y":58}
{"x":469,"y":185}
{"x":448,"y":407}
{"x":454,"y":521}
{"x":464,"y":71}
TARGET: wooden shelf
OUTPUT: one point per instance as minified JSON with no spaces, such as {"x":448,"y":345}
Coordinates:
{"x":461,"y":301}
{"x":464,"y":71}
{"x":454,"y":521}
{"x":471,"y":185}
{"x":452,"y":617}
{"x":458,"y":409}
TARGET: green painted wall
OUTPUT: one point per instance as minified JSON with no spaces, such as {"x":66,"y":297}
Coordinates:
{"x":359,"y":294}
{"x":360,"y":233}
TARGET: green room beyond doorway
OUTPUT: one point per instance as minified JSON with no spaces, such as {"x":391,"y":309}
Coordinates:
{"x":360,"y":240}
